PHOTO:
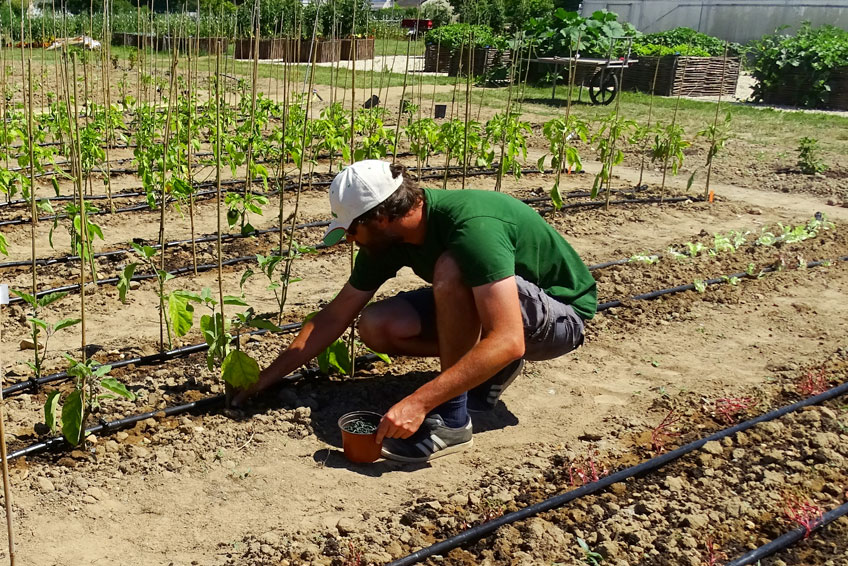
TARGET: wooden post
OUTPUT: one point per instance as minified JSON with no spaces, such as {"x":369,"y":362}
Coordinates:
{"x":7,"y":496}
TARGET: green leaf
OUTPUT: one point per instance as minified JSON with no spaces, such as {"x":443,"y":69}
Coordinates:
{"x":72,"y":414}
{"x":50,"y":408}
{"x":39,"y":323}
{"x":117,"y":387}
{"x":29,"y":299}
{"x":4,"y":246}
{"x":51,"y":298}
{"x":65,"y":323}
{"x":265,"y":324}
{"x":556,"y":197}
{"x":181,"y":313}
{"x":124,"y":281}
{"x":233,"y":300}
{"x":239,"y":369}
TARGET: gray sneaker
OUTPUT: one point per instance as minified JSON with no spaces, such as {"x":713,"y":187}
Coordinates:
{"x":432,"y":440}
{"x":485,"y":396}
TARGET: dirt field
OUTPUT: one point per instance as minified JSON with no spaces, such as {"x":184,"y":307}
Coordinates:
{"x":270,"y":485}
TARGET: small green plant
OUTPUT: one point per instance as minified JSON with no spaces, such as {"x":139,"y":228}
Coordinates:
{"x":700,"y":285}
{"x":644,"y":258}
{"x":668,"y":148}
{"x":85,"y":398}
{"x":561,"y":135}
{"x":39,"y":326}
{"x":589,"y":555}
{"x":239,"y":208}
{"x":809,"y":159}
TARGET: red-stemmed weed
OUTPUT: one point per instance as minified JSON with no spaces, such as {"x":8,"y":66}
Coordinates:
{"x":802,"y":511}
{"x":813,"y":382}
{"x":586,"y":470}
{"x":662,"y":433}
{"x":713,"y":555}
{"x":729,"y":408}
{"x":354,"y":558}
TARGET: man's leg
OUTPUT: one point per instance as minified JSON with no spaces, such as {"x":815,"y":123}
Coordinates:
{"x":447,"y":428}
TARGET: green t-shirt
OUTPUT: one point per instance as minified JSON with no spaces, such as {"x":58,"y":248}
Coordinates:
{"x":493,"y":236}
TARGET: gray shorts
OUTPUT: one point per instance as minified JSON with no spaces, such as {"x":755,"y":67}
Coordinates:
{"x":551,"y":328}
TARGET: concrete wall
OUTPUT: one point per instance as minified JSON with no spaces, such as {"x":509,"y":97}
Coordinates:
{"x":739,"y":20}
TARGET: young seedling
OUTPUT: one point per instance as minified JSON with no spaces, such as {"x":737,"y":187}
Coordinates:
{"x":563,"y":154}
{"x":711,"y":554}
{"x":582,"y":471}
{"x":663,"y":432}
{"x":589,"y":555}
{"x":809,"y":159}
{"x":729,"y":408}
{"x":668,"y":148}
{"x":802,"y":511}
{"x":85,"y":398}
{"x":813,"y":382}
{"x":39,"y":325}
{"x":354,"y":557}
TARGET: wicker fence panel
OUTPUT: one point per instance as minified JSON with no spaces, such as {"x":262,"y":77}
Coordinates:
{"x":364,"y":49}
{"x":839,"y":88}
{"x":688,"y":76}
{"x":483,"y":60}
{"x":437,"y":59}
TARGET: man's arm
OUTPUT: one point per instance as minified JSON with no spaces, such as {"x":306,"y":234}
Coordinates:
{"x":315,"y":335}
{"x":502,"y":341}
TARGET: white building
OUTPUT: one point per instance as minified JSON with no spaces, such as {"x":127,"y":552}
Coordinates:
{"x":733,"y":20}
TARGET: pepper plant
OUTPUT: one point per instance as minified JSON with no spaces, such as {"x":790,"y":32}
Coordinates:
{"x":277,"y":272}
{"x":424,"y":139}
{"x":89,"y":382}
{"x":563,"y":154}
{"x":508,"y":132}
{"x":612,"y":132}
{"x":668,"y":148}
{"x":39,"y":326}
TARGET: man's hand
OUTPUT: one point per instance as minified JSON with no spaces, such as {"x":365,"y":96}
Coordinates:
{"x":265,"y":380}
{"x":402,"y":420}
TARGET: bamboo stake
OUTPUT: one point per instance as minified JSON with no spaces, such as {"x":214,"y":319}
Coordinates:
{"x":192,"y":101}
{"x":83,"y":235}
{"x":7,"y":494}
{"x":352,"y":335}
{"x":715,"y":124}
{"x":617,"y":108}
{"x":249,"y":161}
{"x":110,"y":133}
{"x":514,"y":58}
{"x":32,"y":206}
{"x":218,"y":182}
{"x":400,"y":106}
{"x":468,"y":72}
{"x":648,"y":126}
{"x":673,"y":123}
{"x":162,"y":202}
{"x":572,"y":76}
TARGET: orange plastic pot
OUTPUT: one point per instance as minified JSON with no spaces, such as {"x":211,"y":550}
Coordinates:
{"x":360,"y":448}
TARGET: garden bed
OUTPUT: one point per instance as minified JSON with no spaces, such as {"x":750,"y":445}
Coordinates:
{"x":792,"y":89}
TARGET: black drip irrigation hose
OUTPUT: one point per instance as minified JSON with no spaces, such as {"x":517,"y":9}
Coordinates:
{"x":150,"y":360}
{"x":188,"y":350}
{"x":173,"y":243}
{"x":788,"y":539}
{"x":648,"y":466}
{"x":691,"y":286}
{"x":58,"y":442}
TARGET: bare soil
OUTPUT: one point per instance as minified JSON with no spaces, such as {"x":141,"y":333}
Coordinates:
{"x":270,"y":485}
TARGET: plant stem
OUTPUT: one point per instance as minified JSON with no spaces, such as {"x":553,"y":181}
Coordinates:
{"x":715,"y":125}
{"x":83,"y":235}
{"x":218,"y":182}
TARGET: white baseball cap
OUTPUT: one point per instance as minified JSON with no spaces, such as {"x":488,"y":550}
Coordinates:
{"x":355,"y":191}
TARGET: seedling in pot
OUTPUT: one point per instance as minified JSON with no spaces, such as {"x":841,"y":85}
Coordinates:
{"x":361,"y":425}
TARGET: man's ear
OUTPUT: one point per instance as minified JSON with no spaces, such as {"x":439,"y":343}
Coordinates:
{"x":380,"y":222}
